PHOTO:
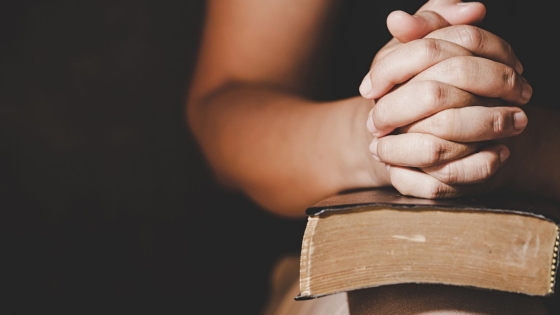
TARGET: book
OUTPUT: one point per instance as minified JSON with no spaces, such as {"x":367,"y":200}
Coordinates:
{"x":364,"y":239}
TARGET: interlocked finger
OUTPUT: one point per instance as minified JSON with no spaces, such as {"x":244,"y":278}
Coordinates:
{"x":472,"y":124}
{"x":405,"y":62}
{"x":419,"y":54}
{"x":412,"y":182}
{"x":475,"y":168}
{"x":419,"y":150}
{"x":418,"y":100}
{"x":480,"y":76}
{"x":481,"y":42}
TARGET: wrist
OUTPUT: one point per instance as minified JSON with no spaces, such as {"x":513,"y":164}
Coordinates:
{"x":367,"y":171}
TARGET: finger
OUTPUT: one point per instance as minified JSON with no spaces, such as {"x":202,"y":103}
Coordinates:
{"x":472,"y":124}
{"x":417,"y":100}
{"x":456,"y":11}
{"x":418,"y":150}
{"x":481,"y":42}
{"x":472,"y":169}
{"x":405,"y":62}
{"x":405,"y":27}
{"x":482,"y":77}
{"x":412,"y":182}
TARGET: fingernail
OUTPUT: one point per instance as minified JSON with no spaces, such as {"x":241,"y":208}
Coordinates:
{"x":504,"y":154}
{"x":519,"y":67}
{"x":527,"y":91}
{"x":373,"y":148}
{"x":365,"y":87}
{"x":519,"y":120}
{"x":370,"y":126}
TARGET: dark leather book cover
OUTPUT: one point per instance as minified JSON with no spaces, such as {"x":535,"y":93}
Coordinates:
{"x":530,"y":205}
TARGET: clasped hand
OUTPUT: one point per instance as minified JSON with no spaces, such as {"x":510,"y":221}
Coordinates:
{"x":442,"y":103}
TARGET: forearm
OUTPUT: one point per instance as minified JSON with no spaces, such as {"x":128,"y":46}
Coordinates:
{"x":284,"y":151}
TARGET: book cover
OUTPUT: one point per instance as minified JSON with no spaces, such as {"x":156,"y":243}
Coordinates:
{"x":369,"y":238}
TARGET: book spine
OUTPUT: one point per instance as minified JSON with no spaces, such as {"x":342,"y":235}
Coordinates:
{"x":305,"y":261}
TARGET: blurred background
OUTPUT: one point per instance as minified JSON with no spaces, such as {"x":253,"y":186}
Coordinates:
{"x":104,"y":194}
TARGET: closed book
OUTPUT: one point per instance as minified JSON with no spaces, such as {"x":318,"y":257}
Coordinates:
{"x":370,"y":238}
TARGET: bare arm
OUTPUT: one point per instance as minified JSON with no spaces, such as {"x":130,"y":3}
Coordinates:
{"x":259,"y":135}
{"x":247,"y":111}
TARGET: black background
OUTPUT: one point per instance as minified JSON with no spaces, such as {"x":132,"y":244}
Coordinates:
{"x":104,"y":195}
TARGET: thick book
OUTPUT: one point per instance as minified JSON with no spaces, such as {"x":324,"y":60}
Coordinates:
{"x":365,"y":239}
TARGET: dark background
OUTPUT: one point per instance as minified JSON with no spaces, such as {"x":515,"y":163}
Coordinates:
{"x":104,"y":194}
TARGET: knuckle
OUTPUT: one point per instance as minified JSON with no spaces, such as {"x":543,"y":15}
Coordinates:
{"x":431,"y":48}
{"x":434,"y":190}
{"x":470,"y":36}
{"x":499,"y":122}
{"x":509,"y":78}
{"x":434,"y":93}
{"x":435,"y":151}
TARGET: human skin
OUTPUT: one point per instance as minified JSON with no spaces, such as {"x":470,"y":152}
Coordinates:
{"x":530,"y":169}
{"x":262,"y":136}
{"x":449,"y":112}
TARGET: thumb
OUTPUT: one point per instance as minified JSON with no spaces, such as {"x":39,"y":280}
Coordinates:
{"x":456,"y":11}
{"x":433,"y":15}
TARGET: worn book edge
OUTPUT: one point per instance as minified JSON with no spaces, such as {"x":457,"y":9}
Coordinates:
{"x":524,"y":205}
{"x":555,"y":263}
{"x":392,"y":199}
